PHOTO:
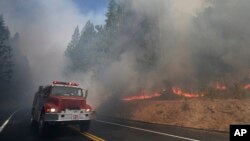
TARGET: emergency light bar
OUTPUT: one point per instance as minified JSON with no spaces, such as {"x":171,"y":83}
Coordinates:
{"x":65,"y":83}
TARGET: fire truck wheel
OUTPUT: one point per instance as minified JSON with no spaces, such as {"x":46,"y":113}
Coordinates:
{"x":84,"y":126}
{"x":32,"y":122}
{"x":42,"y":127}
{"x":33,"y":125}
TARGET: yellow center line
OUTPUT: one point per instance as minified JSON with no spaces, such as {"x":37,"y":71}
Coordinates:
{"x":87,"y":134}
{"x":92,"y":136}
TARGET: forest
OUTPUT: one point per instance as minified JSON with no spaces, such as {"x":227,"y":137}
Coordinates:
{"x":15,"y":77}
{"x":144,"y":48}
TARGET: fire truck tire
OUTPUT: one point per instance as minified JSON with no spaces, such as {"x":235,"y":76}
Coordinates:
{"x":84,"y":125}
{"x":32,"y":122}
{"x":42,"y":126}
{"x":33,"y":125}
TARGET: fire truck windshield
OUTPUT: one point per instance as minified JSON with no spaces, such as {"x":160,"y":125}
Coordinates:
{"x":67,"y":91}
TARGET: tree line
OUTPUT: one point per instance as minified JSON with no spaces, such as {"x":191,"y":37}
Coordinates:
{"x":15,"y":76}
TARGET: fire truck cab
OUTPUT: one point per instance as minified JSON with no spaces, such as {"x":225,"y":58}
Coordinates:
{"x":60,"y":103}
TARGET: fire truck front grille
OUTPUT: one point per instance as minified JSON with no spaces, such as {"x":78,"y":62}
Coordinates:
{"x":71,"y":104}
{"x":74,"y":108}
{"x":51,"y":117}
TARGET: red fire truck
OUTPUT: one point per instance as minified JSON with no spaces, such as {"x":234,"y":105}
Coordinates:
{"x":60,"y":103}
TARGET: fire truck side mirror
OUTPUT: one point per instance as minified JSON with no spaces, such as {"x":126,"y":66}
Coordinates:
{"x":86,"y":93}
{"x":40,"y":88}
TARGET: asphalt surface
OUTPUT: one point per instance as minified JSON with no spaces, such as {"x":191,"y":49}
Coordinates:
{"x":103,"y":128}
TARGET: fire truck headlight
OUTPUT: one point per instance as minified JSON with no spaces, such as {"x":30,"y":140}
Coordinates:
{"x":52,"y":110}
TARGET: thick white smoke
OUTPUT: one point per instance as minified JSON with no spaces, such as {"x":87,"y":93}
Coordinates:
{"x":200,"y":42}
{"x":45,"y":29}
{"x":195,"y":36}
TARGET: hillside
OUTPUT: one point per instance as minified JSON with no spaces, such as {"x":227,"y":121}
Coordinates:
{"x":194,"y":113}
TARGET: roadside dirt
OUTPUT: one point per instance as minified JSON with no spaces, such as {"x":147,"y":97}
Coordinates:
{"x":194,"y":113}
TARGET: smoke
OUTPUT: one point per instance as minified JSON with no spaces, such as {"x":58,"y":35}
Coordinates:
{"x":199,"y":42}
{"x":190,"y":43}
{"x":198,"y":37}
{"x":204,"y":42}
{"x":45,"y":28}
{"x":174,"y":22}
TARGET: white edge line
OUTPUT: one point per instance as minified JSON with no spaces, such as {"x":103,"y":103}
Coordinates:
{"x":146,"y":130}
{"x":6,"y":122}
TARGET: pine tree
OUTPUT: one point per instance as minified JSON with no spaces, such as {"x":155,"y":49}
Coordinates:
{"x":99,"y":46}
{"x":73,"y":43}
{"x":111,"y":14}
{"x":87,"y":35}
{"x":80,"y":49}
{"x":21,"y":69}
{"x":5,"y":54}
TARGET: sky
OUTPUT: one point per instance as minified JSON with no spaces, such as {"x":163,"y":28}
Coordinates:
{"x":94,"y":6}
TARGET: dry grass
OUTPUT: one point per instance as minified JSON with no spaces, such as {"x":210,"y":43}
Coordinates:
{"x":195,"y":113}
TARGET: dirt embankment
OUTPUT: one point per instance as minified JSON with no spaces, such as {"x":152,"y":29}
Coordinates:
{"x":195,"y":113}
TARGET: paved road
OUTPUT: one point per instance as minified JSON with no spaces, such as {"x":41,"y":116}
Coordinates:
{"x":103,"y":128}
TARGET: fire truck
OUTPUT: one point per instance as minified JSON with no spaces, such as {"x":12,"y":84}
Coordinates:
{"x":60,"y":103}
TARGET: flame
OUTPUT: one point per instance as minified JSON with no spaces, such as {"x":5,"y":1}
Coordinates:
{"x":179,"y":91}
{"x":141,"y":96}
{"x":247,"y":86}
{"x":220,"y":86}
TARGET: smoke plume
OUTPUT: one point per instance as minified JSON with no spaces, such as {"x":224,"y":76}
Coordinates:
{"x":198,"y":43}
{"x":45,"y":29}
{"x":189,"y":43}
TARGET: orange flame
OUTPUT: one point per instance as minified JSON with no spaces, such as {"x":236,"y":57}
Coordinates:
{"x":179,"y":91}
{"x":247,"y":86}
{"x":223,"y":87}
{"x":141,"y":96}
{"x":220,"y":86}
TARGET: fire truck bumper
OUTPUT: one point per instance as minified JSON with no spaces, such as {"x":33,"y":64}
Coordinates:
{"x":66,"y":117}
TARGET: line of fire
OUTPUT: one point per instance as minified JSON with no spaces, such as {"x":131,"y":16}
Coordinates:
{"x":178,"y":92}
